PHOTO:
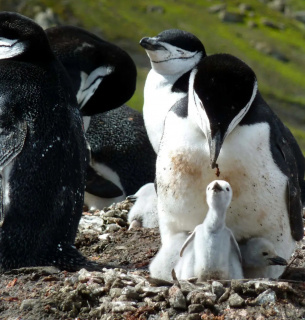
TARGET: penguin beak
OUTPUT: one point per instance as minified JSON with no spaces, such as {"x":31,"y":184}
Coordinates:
{"x":216,"y":187}
{"x":151,"y":44}
{"x":215,"y":142}
{"x":277,"y":261}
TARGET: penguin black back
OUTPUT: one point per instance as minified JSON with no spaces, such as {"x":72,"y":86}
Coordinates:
{"x":43,"y":152}
{"x":118,"y":139}
{"x":81,"y":51}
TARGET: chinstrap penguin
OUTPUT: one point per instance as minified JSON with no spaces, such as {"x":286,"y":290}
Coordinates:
{"x":43,"y":152}
{"x":120,"y":153}
{"x":214,"y":252}
{"x":226,"y":128}
{"x":173,"y":54}
{"x":144,"y":211}
{"x":258,"y":253}
{"x":103,"y":75}
{"x":104,"y":78}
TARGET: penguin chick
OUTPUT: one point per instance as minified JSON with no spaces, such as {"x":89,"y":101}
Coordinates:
{"x":173,"y":54}
{"x":259,"y":253}
{"x":216,"y":254}
{"x":144,"y":211}
{"x":42,"y":152}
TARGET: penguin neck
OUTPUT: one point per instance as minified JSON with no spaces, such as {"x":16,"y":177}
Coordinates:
{"x":165,"y":79}
{"x":215,"y":219}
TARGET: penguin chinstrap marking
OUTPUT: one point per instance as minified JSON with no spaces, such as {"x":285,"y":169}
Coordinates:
{"x":43,"y":152}
{"x":103,"y":75}
{"x":257,"y":254}
{"x":211,"y":251}
{"x":172,"y":53}
{"x":226,"y":122}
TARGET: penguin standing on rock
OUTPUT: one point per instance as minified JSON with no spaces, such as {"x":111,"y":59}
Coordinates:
{"x":42,"y":155}
{"x":227,"y":129}
{"x":173,"y":54}
{"x":104,"y":78}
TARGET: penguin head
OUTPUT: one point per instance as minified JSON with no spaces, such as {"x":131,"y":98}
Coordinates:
{"x":219,"y":194}
{"x":21,"y":38}
{"x":222,"y":88}
{"x":260,"y":252}
{"x":103,"y":75}
{"x":173,"y":51}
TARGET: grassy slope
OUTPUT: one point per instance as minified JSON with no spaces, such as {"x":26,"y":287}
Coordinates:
{"x":126,"y":22}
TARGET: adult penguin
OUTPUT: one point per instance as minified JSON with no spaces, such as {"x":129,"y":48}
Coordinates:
{"x":42,"y":154}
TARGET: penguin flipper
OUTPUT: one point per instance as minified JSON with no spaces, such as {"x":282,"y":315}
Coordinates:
{"x":294,"y":192}
{"x":11,"y":144}
{"x":187,"y":241}
{"x":235,"y":246}
{"x":100,"y":186}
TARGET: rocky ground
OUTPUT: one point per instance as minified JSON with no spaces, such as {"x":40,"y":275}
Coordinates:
{"x":125,"y":291}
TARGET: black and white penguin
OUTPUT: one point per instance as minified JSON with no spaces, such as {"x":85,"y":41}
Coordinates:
{"x":42,"y":154}
{"x":120,"y":153}
{"x":104,"y":78}
{"x":227,"y":129}
{"x":173,"y":54}
{"x":103,"y":75}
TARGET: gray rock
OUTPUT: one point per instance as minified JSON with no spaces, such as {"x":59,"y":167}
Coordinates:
{"x":278,"y":5}
{"x":195,"y":308}
{"x":123,"y":306}
{"x":217,"y":8}
{"x":130,"y":293}
{"x":176,"y":298}
{"x":112,"y":228}
{"x":150,"y":291}
{"x":225,"y":296}
{"x":187,"y":287}
{"x":218,"y":289}
{"x":115,"y":292}
{"x":268,"y":296}
{"x":268,"y":23}
{"x":299,"y":15}
{"x":199,"y":297}
{"x":231,"y":17}
{"x":28,"y":304}
{"x":243,"y":7}
{"x":236,"y":301}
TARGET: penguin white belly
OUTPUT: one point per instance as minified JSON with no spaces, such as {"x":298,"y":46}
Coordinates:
{"x":158,"y":99}
{"x":258,"y":207}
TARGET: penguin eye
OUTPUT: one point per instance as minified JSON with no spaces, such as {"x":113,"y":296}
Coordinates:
{"x":227,"y":189}
{"x":265,"y":253}
{"x":180,"y":51}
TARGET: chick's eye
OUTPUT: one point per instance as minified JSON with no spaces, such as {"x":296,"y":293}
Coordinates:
{"x":227,"y":189}
{"x":265,"y":253}
{"x":180,"y":51}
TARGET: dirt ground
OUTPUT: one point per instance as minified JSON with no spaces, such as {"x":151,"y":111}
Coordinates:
{"x":127,"y":292}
